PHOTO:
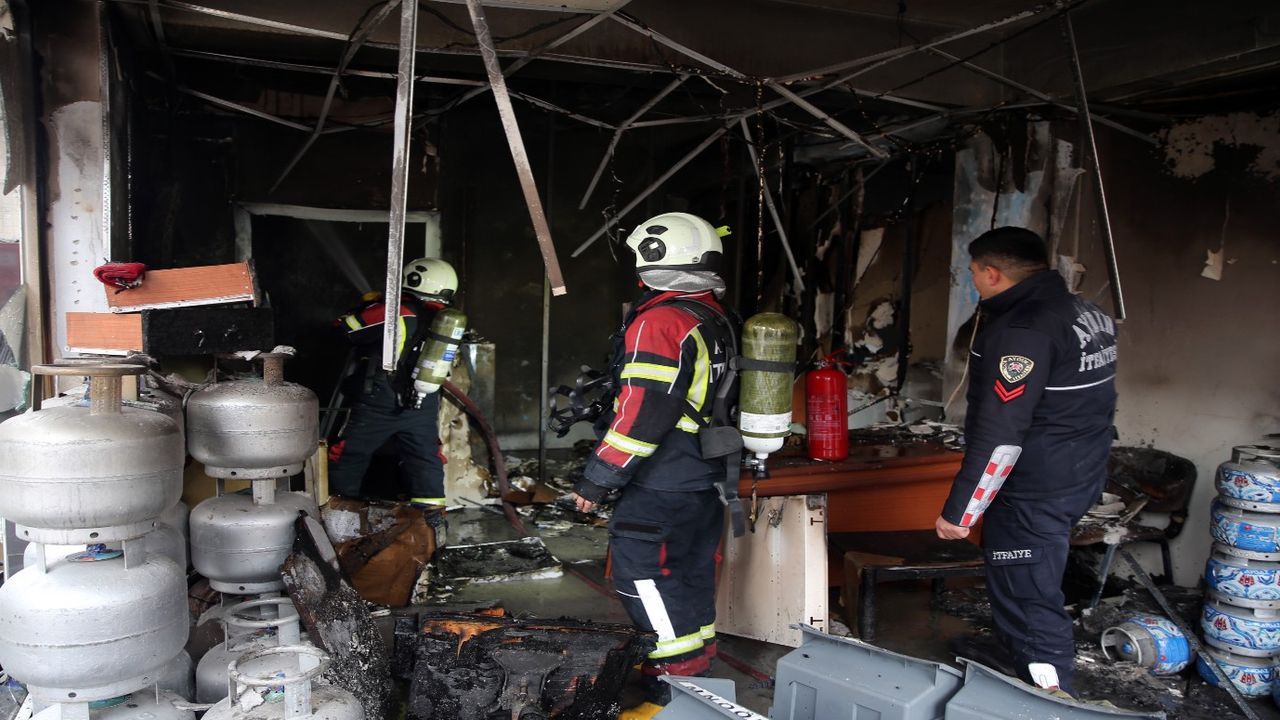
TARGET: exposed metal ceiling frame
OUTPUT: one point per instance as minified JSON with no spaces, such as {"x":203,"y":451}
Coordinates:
{"x":978,"y":69}
{"x":314,"y":69}
{"x":511,"y":128}
{"x":538,"y":52}
{"x":875,"y":60}
{"x":862,"y":65}
{"x":319,"y":69}
{"x":858,"y":66}
{"x":300,"y":30}
{"x":358,"y":38}
{"x":623,"y":127}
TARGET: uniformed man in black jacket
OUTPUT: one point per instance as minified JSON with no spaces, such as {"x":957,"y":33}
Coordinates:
{"x":1042,"y":401}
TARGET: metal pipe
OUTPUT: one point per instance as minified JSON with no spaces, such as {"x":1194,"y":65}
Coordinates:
{"x":829,"y":121}
{"x":552,"y":45}
{"x":1086,"y":122}
{"x":877,"y":59}
{"x":1039,"y":95}
{"x":680,"y":120}
{"x":213,"y":100}
{"x":518,"y":154}
{"x":773,"y":210}
{"x":631,"y":23}
{"x":252,"y":20}
{"x":650,"y":190}
{"x":353,"y":45}
{"x":856,"y":187}
{"x":316,"y":69}
{"x":538,"y":102}
{"x":887,"y":97}
{"x":617,"y":134}
{"x":399,"y":181}
{"x":544,"y":376}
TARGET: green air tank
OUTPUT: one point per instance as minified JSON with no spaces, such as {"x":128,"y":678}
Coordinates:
{"x":436,"y":359}
{"x":764,"y":400}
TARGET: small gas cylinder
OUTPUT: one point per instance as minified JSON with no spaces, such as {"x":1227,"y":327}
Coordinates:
{"x":438,"y":352}
{"x":1250,"y":534}
{"x":826,"y":403}
{"x":293,"y":696}
{"x":249,"y":429}
{"x":1242,"y":581}
{"x":764,"y":400}
{"x":1253,"y":677}
{"x":1152,"y":642}
{"x":95,"y":627}
{"x":71,"y":475}
{"x":247,"y":629}
{"x":1251,"y":480}
{"x":145,"y":704}
{"x":239,"y":541}
{"x":1244,"y":631}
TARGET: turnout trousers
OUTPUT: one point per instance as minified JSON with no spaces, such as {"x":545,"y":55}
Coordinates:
{"x":1025,"y":543}
{"x":375,"y":418}
{"x":664,"y":547}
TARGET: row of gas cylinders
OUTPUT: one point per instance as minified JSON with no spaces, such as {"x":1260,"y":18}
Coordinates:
{"x":1241,"y":615}
{"x":92,"y":631}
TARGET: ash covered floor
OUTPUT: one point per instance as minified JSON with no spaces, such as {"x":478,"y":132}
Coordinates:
{"x":908,"y":622}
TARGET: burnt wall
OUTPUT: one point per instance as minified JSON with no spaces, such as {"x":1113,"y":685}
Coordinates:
{"x":485,"y":219}
{"x":1198,"y":357}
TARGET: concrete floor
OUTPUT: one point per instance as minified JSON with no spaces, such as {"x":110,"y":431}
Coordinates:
{"x":907,"y":624}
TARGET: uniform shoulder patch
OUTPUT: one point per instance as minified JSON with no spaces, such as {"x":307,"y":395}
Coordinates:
{"x":1015,"y":368}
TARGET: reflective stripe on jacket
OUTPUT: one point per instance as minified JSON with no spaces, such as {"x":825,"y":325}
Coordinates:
{"x":668,"y":365}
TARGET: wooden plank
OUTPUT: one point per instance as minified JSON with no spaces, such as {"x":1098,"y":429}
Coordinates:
{"x":187,"y":287}
{"x":103,"y":333}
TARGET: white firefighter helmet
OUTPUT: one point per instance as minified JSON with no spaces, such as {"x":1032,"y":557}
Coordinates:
{"x":431,"y":278}
{"x":676,"y":241}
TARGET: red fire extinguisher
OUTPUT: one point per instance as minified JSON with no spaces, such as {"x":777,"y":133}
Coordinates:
{"x":826,"y":404}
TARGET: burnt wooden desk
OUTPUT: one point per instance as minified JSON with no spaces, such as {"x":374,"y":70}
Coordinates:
{"x":878,"y":488}
{"x":885,"y":497}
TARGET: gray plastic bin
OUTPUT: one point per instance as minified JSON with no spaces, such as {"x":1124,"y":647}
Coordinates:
{"x":989,"y":695}
{"x":833,"y":677}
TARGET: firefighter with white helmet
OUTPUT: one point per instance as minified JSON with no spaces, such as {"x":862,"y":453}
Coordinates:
{"x":669,"y":360}
{"x":379,"y":410}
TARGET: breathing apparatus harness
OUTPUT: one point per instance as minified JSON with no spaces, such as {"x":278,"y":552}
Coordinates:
{"x":718,"y":436}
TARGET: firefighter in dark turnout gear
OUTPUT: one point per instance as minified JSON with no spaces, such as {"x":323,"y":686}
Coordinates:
{"x":1038,"y":431}
{"x":379,"y":412}
{"x":672,"y":356}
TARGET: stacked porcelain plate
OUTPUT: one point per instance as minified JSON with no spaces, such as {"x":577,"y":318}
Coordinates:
{"x":1241,"y":619}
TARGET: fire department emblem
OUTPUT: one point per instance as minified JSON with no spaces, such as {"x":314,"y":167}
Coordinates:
{"x":1015,"y":368}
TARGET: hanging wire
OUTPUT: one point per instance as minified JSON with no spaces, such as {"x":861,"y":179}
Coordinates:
{"x":759,"y":136}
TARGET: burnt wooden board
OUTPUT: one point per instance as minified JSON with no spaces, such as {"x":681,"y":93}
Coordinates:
{"x":338,"y":619}
{"x":207,"y":330}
